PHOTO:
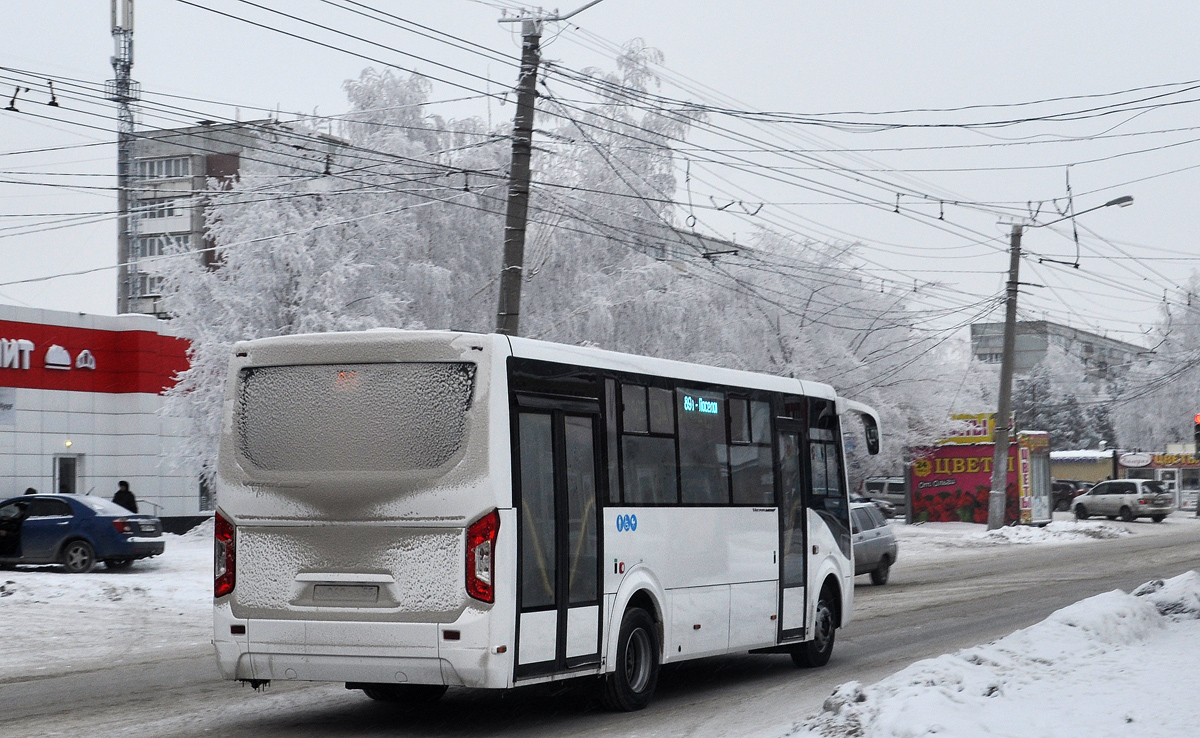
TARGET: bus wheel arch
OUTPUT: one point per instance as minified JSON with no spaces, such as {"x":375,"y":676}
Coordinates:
{"x":641,"y":598}
{"x":630,"y":683}
{"x":831,"y":588}
{"x":827,"y":618}
{"x":640,"y":589}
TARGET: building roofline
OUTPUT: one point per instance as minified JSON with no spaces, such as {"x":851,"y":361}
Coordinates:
{"x":1046,"y":327}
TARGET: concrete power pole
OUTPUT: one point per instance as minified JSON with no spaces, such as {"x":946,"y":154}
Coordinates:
{"x":508,"y":314}
{"x":998,"y":496}
{"x":124,"y":92}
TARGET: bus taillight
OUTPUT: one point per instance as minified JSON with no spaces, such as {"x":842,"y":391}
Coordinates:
{"x":224,"y":556}
{"x":481,"y":556}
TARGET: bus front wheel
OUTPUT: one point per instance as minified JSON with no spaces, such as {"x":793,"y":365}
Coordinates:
{"x":631,"y":684}
{"x":816,"y":652}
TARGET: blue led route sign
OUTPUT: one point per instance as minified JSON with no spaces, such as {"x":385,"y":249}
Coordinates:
{"x":693,"y":404}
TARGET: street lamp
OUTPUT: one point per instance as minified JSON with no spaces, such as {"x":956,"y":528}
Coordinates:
{"x":998,"y":495}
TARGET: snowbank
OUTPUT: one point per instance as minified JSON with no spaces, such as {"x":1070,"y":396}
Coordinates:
{"x":59,"y":622}
{"x":1059,"y":531}
{"x":926,"y":542}
{"x":1113,"y":664}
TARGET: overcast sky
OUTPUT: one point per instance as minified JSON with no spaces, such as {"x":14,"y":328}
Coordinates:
{"x":798,"y":57}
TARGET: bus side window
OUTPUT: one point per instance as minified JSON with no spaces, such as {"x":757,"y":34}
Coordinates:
{"x":662,"y":416}
{"x":750,"y":452}
{"x":703,"y":452}
{"x":633,"y":409}
{"x":648,"y":470}
{"x":610,"y":416}
{"x":739,"y":420}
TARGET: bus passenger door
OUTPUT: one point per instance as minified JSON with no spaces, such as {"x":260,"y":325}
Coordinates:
{"x":558,"y":586}
{"x":792,"y":527}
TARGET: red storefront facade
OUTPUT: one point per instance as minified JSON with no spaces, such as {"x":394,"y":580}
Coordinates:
{"x":79,"y":407}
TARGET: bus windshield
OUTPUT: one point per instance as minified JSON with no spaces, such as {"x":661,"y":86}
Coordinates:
{"x":394,"y":417}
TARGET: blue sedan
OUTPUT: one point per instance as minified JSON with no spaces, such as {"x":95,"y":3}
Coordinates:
{"x":75,"y":531}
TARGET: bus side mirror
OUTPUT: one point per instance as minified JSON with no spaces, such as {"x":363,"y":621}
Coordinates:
{"x":872,"y":433}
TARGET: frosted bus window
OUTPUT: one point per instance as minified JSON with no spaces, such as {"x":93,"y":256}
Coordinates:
{"x":353,"y":417}
{"x":662,"y":418}
{"x":634,"y":409}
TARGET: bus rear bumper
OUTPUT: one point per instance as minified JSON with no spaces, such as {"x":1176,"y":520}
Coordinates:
{"x":397,"y":653}
{"x":331,"y":668}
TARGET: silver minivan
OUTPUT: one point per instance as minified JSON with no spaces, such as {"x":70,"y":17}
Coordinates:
{"x":1127,"y":499}
{"x":875,"y":546}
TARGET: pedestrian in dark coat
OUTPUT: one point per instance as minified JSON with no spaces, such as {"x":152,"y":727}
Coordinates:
{"x":124,"y":497}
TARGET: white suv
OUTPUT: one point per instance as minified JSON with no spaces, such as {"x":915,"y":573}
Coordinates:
{"x":1126,"y":499}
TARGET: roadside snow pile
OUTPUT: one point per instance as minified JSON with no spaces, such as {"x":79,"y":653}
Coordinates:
{"x":58,"y":622}
{"x":1177,"y":598}
{"x":1107,"y":665}
{"x":1059,"y":531}
{"x":202,"y":532}
{"x":927,"y":542}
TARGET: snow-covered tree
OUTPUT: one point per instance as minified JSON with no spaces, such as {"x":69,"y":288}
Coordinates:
{"x":401,"y":224}
{"x":339,"y":236}
{"x":1057,"y":396}
{"x":1156,"y":401}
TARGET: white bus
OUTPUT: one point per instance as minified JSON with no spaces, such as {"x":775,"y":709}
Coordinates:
{"x":404,"y":511}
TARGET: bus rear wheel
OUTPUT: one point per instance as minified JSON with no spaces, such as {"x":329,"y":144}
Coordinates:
{"x":814,"y":653}
{"x":631,"y":684}
{"x":405,"y":694}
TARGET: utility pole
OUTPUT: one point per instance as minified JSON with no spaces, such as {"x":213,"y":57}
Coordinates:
{"x":508,"y":314}
{"x":998,"y":496}
{"x":124,"y":92}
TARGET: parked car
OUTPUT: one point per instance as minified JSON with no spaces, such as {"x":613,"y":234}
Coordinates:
{"x":77,"y":531}
{"x":890,"y":489}
{"x":874,"y":544}
{"x":1127,"y":499}
{"x":885,"y":507}
{"x":1064,"y":491}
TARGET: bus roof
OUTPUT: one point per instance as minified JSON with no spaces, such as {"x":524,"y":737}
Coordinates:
{"x":529,"y":348}
{"x":565,"y":354}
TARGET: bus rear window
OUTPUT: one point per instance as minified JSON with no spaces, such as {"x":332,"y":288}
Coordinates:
{"x":353,"y":417}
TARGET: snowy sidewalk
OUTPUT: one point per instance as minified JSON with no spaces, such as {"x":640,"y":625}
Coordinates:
{"x":57,"y":622}
{"x":1115,"y":664}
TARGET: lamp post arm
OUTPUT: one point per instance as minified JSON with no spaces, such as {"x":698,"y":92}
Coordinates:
{"x":1124,"y":201}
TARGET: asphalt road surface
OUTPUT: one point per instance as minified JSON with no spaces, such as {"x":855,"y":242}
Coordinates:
{"x":926,"y":610}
